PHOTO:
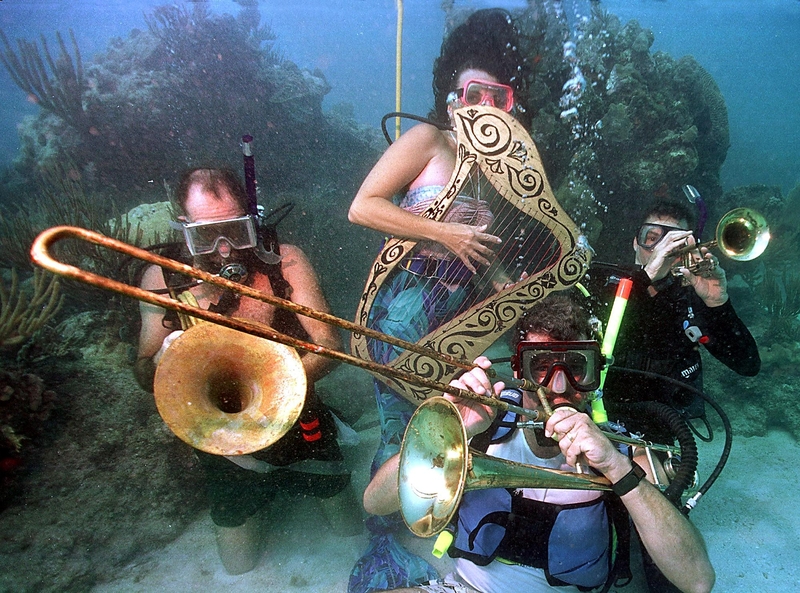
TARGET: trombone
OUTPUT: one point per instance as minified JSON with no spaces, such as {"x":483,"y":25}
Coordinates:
{"x":742,"y":234}
{"x":40,"y":254}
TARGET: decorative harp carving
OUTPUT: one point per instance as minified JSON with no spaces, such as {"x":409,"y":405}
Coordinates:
{"x":497,"y":165}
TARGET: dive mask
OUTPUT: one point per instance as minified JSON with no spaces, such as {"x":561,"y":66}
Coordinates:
{"x":650,"y":234}
{"x":581,"y":362}
{"x":204,"y":237}
{"x":481,"y":92}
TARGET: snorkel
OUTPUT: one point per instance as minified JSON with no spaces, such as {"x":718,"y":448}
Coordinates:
{"x":695,"y":198}
{"x":250,"y":175}
{"x":271,"y":257}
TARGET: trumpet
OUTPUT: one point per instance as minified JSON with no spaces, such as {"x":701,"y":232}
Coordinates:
{"x":742,"y":234}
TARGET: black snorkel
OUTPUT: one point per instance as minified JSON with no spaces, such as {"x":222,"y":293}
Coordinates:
{"x":266,"y":234}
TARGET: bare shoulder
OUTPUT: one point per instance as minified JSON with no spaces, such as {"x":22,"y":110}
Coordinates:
{"x":423,"y":134}
{"x":153,"y":278}
{"x":295,"y":264}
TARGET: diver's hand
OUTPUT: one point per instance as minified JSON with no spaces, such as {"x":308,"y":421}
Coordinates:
{"x":580,"y":440}
{"x":476,"y":416}
{"x":660,"y":265}
{"x":166,"y":344}
{"x":711,"y":285}
{"x":467,"y":242}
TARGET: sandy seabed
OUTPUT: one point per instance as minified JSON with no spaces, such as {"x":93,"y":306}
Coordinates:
{"x":750,"y":519}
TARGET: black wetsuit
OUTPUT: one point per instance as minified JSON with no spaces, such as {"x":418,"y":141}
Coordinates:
{"x":663,"y":334}
{"x":653,"y":337}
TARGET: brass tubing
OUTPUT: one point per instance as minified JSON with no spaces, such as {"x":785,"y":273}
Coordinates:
{"x":750,"y":236}
{"x":41,"y":257}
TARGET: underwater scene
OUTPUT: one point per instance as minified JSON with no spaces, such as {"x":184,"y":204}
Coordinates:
{"x":143,"y":448}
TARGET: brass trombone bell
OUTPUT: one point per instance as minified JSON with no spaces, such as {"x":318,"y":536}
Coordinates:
{"x":229,"y":393}
{"x":436,"y":467}
{"x":742,"y":235}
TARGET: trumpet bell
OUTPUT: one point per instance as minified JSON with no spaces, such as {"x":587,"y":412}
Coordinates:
{"x":226,"y":392}
{"x":743,"y":234}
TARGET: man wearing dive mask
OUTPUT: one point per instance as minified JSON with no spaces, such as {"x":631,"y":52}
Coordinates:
{"x":550,"y":539}
{"x":672,"y":312}
{"x":223,"y":239}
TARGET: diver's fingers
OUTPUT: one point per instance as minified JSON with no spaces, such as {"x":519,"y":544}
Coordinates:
{"x":488,"y":238}
{"x":477,"y":382}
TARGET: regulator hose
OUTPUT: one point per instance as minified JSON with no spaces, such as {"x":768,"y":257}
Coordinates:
{"x":419,"y":118}
{"x":670,"y":418}
{"x":726,"y":449}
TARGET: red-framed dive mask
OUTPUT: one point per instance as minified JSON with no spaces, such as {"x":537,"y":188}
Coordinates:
{"x":482,"y":92}
{"x":580,"y":361}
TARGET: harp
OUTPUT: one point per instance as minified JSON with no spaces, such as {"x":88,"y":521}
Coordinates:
{"x":498,"y":168}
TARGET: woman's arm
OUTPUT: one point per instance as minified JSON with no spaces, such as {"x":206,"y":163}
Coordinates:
{"x":420,"y":157}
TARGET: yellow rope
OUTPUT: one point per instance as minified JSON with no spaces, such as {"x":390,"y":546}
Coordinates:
{"x":398,"y":78}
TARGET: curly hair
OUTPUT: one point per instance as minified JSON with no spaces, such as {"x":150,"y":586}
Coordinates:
{"x":487,"y":40}
{"x":213,"y":181}
{"x":560,"y":315}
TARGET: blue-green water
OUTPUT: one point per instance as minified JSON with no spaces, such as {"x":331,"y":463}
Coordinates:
{"x":105,"y":485}
{"x":751,"y":48}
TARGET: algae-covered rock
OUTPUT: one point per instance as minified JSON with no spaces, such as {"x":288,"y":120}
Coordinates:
{"x":651,"y":123}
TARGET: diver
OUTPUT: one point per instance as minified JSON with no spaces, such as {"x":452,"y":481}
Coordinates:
{"x":222,"y":239}
{"x":672,"y":312}
{"x":670,"y":316}
{"x":551,"y":539}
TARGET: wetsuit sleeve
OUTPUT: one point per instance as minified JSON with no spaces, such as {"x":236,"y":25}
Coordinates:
{"x":729,"y":340}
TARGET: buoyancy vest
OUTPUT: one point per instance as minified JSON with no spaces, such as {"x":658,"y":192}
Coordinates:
{"x":571,"y":543}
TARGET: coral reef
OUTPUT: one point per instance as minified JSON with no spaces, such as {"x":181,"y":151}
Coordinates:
{"x":780,"y":298}
{"x":63,"y":201}
{"x":25,"y":406}
{"x":58,"y":90}
{"x":642,"y":126}
{"x":147,"y":224}
{"x":22,"y":314}
{"x":768,"y":401}
{"x":104,"y":480}
{"x":182,"y":93}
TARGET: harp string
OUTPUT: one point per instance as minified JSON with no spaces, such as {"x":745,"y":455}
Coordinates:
{"x":528,"y":246}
